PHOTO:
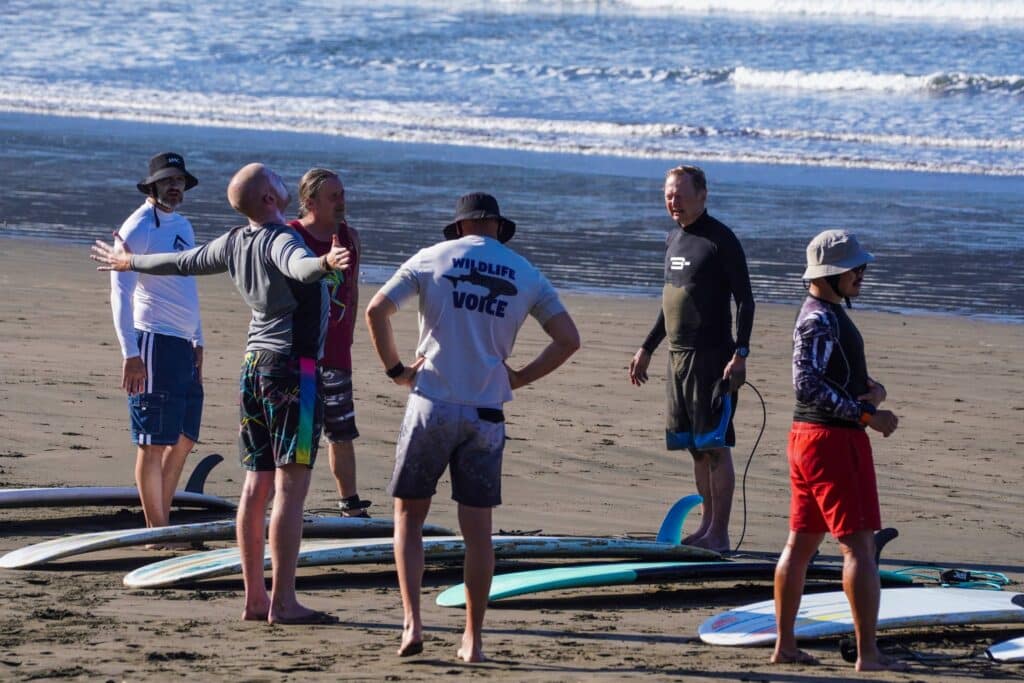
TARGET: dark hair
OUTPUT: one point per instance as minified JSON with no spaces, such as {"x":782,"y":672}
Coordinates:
{"x":695,"y":174}
{"x":311,"y":182}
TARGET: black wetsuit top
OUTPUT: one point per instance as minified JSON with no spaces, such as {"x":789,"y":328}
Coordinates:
{"x":829,"y":368}
{"x":705,"y":267}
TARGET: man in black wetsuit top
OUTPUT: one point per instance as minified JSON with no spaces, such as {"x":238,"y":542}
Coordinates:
{"x":705,"y":270}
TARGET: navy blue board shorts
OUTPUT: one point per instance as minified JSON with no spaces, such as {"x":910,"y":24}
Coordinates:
{"x":172,"y":403}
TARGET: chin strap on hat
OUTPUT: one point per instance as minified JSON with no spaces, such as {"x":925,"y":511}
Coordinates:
{"x":833,"y":282}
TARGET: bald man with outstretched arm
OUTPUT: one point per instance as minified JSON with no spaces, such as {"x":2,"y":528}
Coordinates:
{"x":281,"y":414}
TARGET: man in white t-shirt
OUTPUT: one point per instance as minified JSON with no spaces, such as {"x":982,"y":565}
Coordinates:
{"x":473,"y":295}
{"x":160,"y":333}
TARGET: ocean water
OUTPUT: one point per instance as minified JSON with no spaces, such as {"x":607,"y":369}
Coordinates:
{"x":902,"y":120}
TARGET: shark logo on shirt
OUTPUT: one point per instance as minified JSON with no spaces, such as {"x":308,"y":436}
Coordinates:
{"x":493,"y":285}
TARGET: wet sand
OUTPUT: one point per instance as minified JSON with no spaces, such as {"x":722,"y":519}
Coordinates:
{"x":585,"y":456}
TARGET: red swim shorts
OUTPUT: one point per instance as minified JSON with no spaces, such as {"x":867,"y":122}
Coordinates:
{"x":832,"y":480}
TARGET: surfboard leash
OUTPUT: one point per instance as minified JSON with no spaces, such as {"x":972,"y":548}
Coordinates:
{"x":976,"y":659}
{"x":750,"y":459}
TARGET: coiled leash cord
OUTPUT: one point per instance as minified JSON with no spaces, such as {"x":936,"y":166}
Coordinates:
{"x":750,"y":459}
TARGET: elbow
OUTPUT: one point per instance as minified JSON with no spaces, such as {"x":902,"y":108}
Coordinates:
{"x":570,"y":343}
{"x":574,"y":344}
{"x":376,"y":311}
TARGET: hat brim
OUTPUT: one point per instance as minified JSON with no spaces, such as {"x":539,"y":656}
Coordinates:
{"x":506,"y":228}
{"x":849,"y":263}
{"x":190,"y":180}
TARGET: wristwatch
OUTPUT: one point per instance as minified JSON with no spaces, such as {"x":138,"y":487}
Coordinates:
{"x":742,"y":351}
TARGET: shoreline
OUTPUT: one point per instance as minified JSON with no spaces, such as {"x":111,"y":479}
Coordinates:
{"x":777,"y":174}
{"x":591,"y":226}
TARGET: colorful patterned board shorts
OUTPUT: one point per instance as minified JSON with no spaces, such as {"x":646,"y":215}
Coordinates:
{"x":281,"y":411}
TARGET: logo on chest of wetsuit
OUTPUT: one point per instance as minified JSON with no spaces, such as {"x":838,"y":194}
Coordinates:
{"x":180,"y":244}
{"x":489,"y":276}
{"x":678,"y":262}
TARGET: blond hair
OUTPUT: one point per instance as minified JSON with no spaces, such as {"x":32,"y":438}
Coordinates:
{"x":310,"y":185}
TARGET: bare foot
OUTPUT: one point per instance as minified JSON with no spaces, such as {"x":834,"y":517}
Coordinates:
{"x":719,"y":545}
{"x":694,"y":537}
{"x":793,"y":657}
{"x":177,"y":546}
{"x":297,"y":614}
{"x":470,"y":654}
{"x":256,"y":613}
{"x":412,"y":642}
{"x":883,"y":663}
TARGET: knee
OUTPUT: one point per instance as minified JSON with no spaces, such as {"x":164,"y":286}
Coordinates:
{"x":858,"y":547}
{"x":257,"y":486}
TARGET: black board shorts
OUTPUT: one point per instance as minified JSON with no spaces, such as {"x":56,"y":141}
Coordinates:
{"x":699,"y":408}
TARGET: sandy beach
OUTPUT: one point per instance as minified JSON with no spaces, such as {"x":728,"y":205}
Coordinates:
{"x":585,"y":456}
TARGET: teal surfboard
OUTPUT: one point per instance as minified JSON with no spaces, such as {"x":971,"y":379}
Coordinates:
{"x":619,"y":573}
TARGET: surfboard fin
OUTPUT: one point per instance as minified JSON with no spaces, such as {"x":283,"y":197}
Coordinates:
{"x":882,"y":537}
{"x":197,"y":480}
{"x":671,"y":530}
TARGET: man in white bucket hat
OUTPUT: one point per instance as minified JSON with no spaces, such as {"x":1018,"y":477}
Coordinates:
{"x":831,"y":471}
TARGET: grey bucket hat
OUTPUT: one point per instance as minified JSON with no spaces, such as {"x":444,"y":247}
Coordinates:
{"x":833,"y":252}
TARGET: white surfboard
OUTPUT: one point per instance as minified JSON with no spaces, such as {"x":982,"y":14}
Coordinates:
{"x":825,"y":615}
{"x":83,"y":496}
{"x":80,"y":544}
{"x":227,"y":562}
{"x":1008,"y":650}
{"x":80,"y":496}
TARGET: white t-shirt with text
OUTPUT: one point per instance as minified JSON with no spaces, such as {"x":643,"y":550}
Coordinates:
{"x":474,"y":294}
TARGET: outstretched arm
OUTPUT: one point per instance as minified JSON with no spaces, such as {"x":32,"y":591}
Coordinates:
{"x":202,"y":260}
{"x":565,"y":341}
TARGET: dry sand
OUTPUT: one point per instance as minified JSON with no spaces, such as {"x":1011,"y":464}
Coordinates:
{"x":585,"y":456}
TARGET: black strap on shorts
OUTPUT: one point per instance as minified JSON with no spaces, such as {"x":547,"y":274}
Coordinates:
{"x":490,"y":414}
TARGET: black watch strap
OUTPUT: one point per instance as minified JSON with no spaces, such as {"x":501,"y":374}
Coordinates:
{"x":395,"y":370}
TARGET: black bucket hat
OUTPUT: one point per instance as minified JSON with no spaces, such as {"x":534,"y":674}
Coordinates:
{"x":475,"y":206}
{"x":165,"y":165}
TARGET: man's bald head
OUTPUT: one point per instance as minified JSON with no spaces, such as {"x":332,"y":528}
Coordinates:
{"x":257,"y":193}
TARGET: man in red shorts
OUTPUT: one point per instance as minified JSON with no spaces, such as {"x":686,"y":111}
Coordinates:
{"x":832,"y":474}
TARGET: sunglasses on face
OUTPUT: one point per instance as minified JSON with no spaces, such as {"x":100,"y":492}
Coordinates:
{"x":859,"y":270}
